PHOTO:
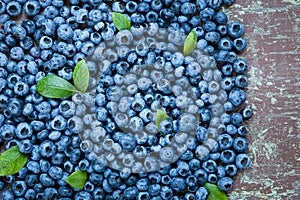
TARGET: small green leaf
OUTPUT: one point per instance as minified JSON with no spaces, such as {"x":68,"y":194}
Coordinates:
{"x":81,"y":76}
{"x":160,"y":116}
{"x":77,"y":179}
{"x":121,"y":21}
{"x":12,"y":161}
{"x":53,"y":86}
{"x":190,"y":43}
{"x":214,"y":193}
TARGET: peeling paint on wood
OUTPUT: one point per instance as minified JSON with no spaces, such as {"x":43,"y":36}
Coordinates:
{"x":273,"y":53}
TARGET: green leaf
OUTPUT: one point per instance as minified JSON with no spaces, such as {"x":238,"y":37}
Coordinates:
{"x":160,"y":116}
{"x":53,"y":86}
{"x":81,"y":76}
{"x":190,"y":43}
{"x":12,"y":161}
{"x":121,"y":21}
{"x":214,"y":193}
{"x":77,"y":179}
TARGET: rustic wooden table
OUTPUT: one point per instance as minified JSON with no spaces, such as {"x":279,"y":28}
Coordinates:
{"x":273,"y":53}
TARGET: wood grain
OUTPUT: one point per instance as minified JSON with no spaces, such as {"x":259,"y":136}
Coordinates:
{"x":272,"y":31}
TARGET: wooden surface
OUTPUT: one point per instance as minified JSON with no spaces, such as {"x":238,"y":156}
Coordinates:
{"x":273,"y":35}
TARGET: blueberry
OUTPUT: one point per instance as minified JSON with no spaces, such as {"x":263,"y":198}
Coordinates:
{"x":30,"y":194}
{"x":18,"y":32}
{"x":137,"y":18}
{"x":213,"y":37}
{"x":19,"y":188}
{"x":166,"y":179}
{"x":142,"y":49}
{"x":7,"y":194}
{"x":118,"y":7}
{"x":143,"y":195}
{"x":231,"y":170}
{"x":45,"y":42}
{"x":242,"y":161}
{"x":166,"y":127}
{"x":51,"y":12}
{"x":235,"y":29}
{"x":237,"y":97}
{"x":64,"y":12}
{"x":131,"y":6}
{"x":47,"y":148}
{"x":4,"y":47}
{"x":225,"y":141}
{"x":227,"y":156}
{"x":21,"y":89}
{"x":64,"y":191}
{"x":87,"y":48}
{"x":221,"y":18}
{"x":207,"y":14}
{"x":65,"y":32}
{"x":209,"y":26}
{"x":55,"y":172}
{"x":58,"y":123}
{"x":212,"y":178}
{"x":201,"y":193}
{"x":4,"y":18}
{"x":166,"y":192}
{"x":10,"y":40}
{"x":143,"y":184}
{"x":22,"y":173}
{"x":225,"y":44}
{"x":241,"y":81}
{"x":23,"y":130}
{"x":25,"y":146}
{"x":188,"y":8}
{"x":178,"y":184}
{"x":35,"y":154}
{"x":222,"y":29}
{"x":194,"y":164}
{"x":131,"y":193}
{"x":58,"y":3}
{"x":33,"y":166}
{"x":32,"y":8}
{"x":58,"y":158}
{"x":45,"y":3}
{"x":225,"y":183}
{"x":227,"y":83}
{"x":239,"y":44}
{"x":236,"y":119}
{"x":240,"y":66}
{"x":107,"y":34}
{"x":85,"y":146}
{"x":2,"y":7}
{"x":151,"y":16}
{"x":209,"y":166}
{"x":246,"y":113}
{"x":98,"y":193}
{"x":202,"y":153}
{"x":50,"y":193}
{"x":13,"y":8}
{"x":48,"y":27}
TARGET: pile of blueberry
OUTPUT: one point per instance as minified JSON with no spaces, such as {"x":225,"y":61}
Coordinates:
{"x":110,"y":131}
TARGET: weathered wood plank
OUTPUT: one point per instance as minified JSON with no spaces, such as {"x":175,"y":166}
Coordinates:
{"x":273,"y":54}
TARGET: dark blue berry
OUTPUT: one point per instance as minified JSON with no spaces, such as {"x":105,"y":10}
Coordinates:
{"x":235,"y":29}
{"x":13,"y":8}
{"x":242,"y":161}
{"x":225,"y":183}
{"x":246,"y":113}
{"x":19,"y":188}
